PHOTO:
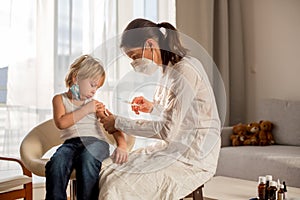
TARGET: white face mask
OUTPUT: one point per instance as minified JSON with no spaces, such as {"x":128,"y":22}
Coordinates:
{"x":144,"y":65}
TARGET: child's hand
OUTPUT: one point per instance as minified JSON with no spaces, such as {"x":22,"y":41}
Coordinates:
{"x":94,"y":106}
{"x":119,"y":155}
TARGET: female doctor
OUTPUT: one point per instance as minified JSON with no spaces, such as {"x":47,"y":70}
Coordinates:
{"x":188,"y":127}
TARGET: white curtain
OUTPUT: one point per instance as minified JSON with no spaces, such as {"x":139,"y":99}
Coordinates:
{"x":219,"y":28}
{"x":42,"y":38}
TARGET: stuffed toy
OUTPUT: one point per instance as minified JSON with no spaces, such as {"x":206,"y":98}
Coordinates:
{"x":265,"y":135}
{"x":238,"y":134}
{"x":252,"y":134}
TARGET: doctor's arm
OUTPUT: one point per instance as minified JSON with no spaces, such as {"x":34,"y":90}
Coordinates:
{"x":179,"y":100}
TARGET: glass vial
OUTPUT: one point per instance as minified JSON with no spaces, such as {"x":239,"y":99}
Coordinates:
{"x":261,"y":188}
{"x":272,"y":190}
{"x":284,"y":189}
{"x":268,"y":180}
{"x":280,"y":193}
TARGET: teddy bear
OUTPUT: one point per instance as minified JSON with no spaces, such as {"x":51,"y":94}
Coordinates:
{"x":238,"y":134}
{"x":265,"y":135}
{"x":252,"y":134}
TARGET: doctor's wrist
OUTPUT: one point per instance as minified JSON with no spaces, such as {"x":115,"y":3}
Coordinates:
{"x":151,"y":109}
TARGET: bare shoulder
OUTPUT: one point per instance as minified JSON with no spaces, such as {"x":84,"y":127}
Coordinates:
{"x":57,"y":99}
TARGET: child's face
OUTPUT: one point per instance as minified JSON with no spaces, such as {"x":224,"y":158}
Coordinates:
{"x":88,"y":87}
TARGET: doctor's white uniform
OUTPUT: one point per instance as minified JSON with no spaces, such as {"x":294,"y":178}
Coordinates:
{"x":187,"y":154}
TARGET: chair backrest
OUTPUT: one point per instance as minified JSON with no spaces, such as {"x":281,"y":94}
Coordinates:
{"x":36,"y":143}
{"x":44,"y":137}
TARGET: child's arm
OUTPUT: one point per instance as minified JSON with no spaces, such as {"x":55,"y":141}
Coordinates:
{"x":120,"y":154}
{"x":65,"y":120}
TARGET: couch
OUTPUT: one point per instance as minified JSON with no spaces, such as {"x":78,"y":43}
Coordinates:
{"x":281,"y":160}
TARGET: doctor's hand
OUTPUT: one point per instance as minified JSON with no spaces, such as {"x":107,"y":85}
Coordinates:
{"x":108,"y":121}
{"x":140,"y":104}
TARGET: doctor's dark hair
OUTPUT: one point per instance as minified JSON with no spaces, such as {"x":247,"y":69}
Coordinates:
{"x":140,"y":30}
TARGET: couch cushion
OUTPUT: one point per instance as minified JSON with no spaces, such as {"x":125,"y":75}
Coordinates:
{"x":249,"y":162}
{"x":286,"y":118}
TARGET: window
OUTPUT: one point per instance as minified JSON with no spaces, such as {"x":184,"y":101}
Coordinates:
{"x":3,"y":85}
{"x":39,"y":41}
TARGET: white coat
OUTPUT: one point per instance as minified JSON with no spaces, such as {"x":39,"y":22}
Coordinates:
{"x":187,"y":154}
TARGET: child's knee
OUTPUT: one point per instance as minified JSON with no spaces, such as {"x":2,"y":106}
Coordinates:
{"x":90,"y":160}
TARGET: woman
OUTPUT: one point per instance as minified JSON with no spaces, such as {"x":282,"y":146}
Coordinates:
{"x":188,"y":126}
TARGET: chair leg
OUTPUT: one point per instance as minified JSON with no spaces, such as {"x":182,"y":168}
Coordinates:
{"x":28,"y":191}
{"x":197,"y":194}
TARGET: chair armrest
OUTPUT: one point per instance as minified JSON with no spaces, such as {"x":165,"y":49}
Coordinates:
{"x":25,"y":171}
{"x":225,"y":136}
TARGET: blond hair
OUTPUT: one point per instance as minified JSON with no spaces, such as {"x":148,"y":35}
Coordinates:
{"x":84,"y":67}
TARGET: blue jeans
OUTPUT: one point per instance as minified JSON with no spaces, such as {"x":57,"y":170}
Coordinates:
{"x":85,"y":155}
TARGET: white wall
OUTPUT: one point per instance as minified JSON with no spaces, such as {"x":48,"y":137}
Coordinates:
{"x":271,"y":45}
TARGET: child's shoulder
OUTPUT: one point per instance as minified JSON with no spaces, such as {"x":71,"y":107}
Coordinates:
{"x":58,"y":97}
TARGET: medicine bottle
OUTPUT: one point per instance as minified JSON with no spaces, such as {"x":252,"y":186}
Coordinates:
{"x":268,"y":180}
{"x":284,"y":189}
{"x":261,"y":188}
{"x":280,"y":193}
{"x":272,"y":190}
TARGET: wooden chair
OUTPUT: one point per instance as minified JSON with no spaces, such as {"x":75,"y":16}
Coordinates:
{"x":17,"y":186}
{"x":46,"y":136}
{"x":197,"y":194}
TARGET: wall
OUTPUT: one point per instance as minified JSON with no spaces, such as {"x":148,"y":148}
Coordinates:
{"x":271,"y":42}
{"x":272,"y":50}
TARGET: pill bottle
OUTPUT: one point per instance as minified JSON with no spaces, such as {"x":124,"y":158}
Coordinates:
{"x":272,"y":190}
{"x":268,"y":180}
{"x":261,"y":188}
{"x":280,"y":193}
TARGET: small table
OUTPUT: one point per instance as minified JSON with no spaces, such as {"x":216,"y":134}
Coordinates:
{"x":225,"y":188}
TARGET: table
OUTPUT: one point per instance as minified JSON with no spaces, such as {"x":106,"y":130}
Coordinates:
{"x":227,"y":188}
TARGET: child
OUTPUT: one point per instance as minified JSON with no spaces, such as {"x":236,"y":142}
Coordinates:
{"x":84,"y":146}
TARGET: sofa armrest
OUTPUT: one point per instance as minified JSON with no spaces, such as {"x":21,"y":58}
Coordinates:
{"x":225,"y":136}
